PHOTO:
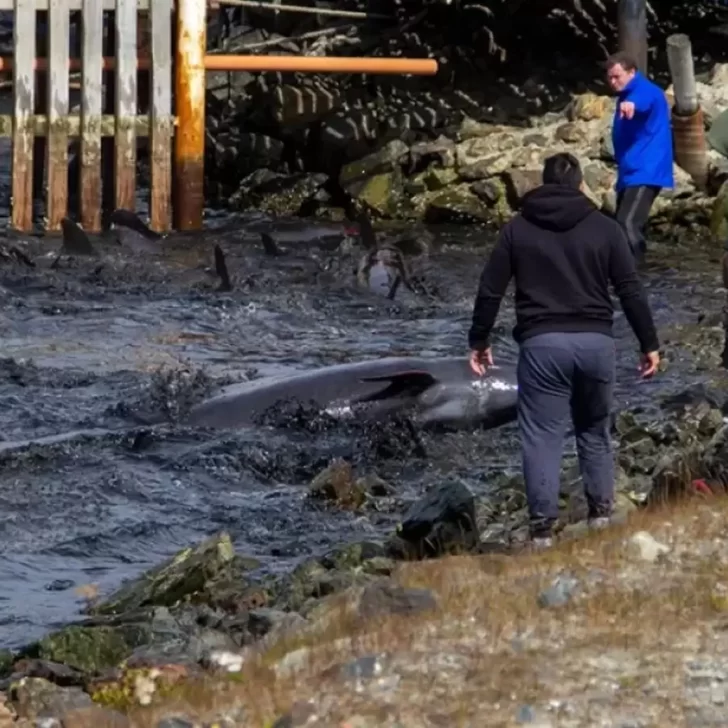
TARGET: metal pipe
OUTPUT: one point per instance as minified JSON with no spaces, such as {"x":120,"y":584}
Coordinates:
{"x":323,"y":64}
{"x":190,"y":102}
{"x":632,"y":30}
{"x":303,"y":64}
{"x":682,"y":71}
{"x":259,"y":5}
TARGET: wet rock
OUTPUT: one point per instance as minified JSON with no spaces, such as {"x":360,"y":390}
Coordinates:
{"x":34,"y":698}
{"x":385,"y":160}
{"x":440,"y":151}
{"x":383,"y":597}
{"x":186,"y":573}
{"x":380,"y":193}
{"x":455,"y":204}
{"x":91,"y":649}
{"x":437,"y":178}
{"x":338,"y":484}
{"x":352,"y":556}
{"x":444,"y":521}
{"x":55,"y":672}
{"x":280,"y":195}
{"x":491,"y":191}
{"x":6,"y":662}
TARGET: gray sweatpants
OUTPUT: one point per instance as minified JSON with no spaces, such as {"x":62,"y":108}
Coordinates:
{"x":563,"y":376}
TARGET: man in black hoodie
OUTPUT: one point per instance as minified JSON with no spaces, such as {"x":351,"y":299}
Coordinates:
{"x":563,"y":254}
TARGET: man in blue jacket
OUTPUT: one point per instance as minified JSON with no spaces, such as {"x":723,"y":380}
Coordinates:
{"x":642,"y":139}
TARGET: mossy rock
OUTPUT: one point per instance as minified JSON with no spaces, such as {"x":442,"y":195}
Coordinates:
{"x":386,"y":159}
{"x":91,"y":649}
{"x":456,"y":204}
{"x":184,"y":575}
{"x":437,"y":178}
{"x":381,"y":193}
{"x":719,"y":215}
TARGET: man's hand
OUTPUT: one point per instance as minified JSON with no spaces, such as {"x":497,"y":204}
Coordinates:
{"x":649,"y":363}
{"x":481,"y":360}
{"x":626,"y":110}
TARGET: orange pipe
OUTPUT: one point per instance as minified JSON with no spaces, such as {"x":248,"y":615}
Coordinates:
{"x":323,"y":64}
{"x":302,"y":64}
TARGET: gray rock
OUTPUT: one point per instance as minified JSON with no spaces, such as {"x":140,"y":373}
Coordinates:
{"x":384,"y":597}
{"x":562,"y":590}
{"x":175,"y":722}
{"x":444,"y":520}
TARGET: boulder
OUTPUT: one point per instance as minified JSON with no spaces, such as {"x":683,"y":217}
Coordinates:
{"x":183,"y":575}
{"x":589,"y":106}
{"x":384,"y":160}
{"x":519,"y":182}
{"x":338,"y":484}
{"x":489,"y":147}
{"x":92,"y":649}
{"x":456,"y":204}
{"x":442,"y":522}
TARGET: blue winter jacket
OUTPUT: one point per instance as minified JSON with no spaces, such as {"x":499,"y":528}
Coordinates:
{"x":643,"y":144}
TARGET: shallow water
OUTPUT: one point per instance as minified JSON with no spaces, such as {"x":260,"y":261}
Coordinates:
{"x":110,"y":500}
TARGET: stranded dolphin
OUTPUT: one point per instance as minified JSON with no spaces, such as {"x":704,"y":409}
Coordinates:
{"x":441,"y":391}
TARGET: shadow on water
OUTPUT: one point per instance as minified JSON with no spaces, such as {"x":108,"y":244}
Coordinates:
{"x":88,"y":495}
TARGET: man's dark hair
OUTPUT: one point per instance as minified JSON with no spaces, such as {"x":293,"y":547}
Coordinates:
{"x":622,"y":58}
{"x":562,"y":169}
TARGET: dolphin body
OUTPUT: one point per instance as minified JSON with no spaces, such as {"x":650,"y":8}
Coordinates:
{"x":432,"y":391}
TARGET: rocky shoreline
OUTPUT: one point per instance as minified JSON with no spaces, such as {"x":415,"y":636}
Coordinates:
{"x":459,"y":147}
{"x":203,"y":619}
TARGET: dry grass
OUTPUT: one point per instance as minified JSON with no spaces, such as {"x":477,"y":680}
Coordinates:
{"x":618,"y":644}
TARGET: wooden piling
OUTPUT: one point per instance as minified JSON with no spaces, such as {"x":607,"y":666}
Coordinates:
{"x":190,"y":103}
{"x":59,"y":20}
{"x":126,"y":103}
{"x":91,"y":107}
{"x":632,"y":30}
{"x":162,"y":121}
{"x":23,"y":107}
{"x":49,"y":125}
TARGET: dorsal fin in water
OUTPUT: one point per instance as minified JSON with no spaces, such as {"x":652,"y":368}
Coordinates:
{"x":222,"y":270}
{"x":408,"y":383}
{"x":128,"y":219}
{"x":75,"y":241}
{"x":269,"y":245}
{"x":366,"y":231}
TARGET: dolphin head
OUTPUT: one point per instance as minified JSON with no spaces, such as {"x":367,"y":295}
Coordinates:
{"x":486,"y":402}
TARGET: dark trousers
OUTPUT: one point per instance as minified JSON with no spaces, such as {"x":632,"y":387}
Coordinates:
{"x":633,"y":210}
{"x":562,"y":377}
{"x":724,"y":267}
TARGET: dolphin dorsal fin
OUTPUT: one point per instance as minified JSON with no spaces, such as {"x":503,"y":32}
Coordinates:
{"x":409,"y":383}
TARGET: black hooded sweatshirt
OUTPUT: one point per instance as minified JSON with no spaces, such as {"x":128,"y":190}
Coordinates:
{"x":563,"y":253}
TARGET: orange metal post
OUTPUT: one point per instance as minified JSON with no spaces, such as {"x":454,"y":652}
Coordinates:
{"x":190,"y":102}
